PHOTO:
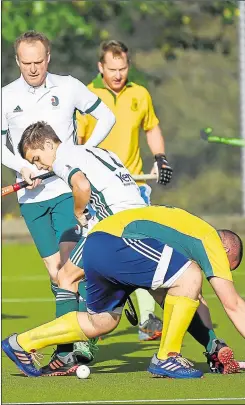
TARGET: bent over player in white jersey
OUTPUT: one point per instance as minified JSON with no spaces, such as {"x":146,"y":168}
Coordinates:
{"x":47,"y":208}
{"x":98,"y":177}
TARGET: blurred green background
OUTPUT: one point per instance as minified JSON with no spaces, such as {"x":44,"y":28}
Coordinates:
{"x":184,"y":52}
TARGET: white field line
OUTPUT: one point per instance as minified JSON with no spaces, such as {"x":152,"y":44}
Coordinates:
{"x":13,"y":279}
{"x":128,"y":401}
{"x":26,"y":300}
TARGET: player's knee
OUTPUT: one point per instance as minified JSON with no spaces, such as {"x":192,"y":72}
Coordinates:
{"x":104,"y":322}
{"x":69,"y":276}
{"x":53,"y":265}
{"x":65,"y":278}
{"x":65,"y":250}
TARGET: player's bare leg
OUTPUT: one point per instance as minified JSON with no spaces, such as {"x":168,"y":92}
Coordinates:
{"x":69,"y":280}
{"x":69,"y":328}
{"x":53,"y":264}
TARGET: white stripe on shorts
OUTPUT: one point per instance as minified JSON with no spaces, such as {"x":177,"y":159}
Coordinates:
{"x":162,"y":267}
{"x":77,"y":255}
{"x":133,"y":244}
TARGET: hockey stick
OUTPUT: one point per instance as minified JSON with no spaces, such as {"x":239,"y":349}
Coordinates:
{"x":23,"y":184}
{"x":144,"y":176}
{"x":131,"y":313}
{"x":207,"y":135}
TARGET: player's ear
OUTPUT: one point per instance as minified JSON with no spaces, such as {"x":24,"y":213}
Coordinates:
{"x":17,"y":60}
{"x":100,"y":67}
{"x":226,"y":247}
{"x":48,"y":144}
{"x":49,"y":57}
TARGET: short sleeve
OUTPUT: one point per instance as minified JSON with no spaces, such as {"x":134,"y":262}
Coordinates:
{"x":217,"y":257}
{"x":150,"y":119}
{"x":84,"y":99}
{"x":65,"y":171}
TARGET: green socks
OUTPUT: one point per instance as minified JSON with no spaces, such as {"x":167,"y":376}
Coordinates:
{"x":201,"y":333}
{"x":54,"y":288}
{"x":66,"y":301}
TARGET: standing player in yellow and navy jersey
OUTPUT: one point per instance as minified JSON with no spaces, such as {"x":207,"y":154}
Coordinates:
{"x":133,"y":108}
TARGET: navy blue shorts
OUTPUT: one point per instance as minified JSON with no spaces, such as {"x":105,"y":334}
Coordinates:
{"x":115,"y":267}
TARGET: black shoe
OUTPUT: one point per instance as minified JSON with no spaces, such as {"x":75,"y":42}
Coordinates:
{"x":60,"y":365}
{"x":221,"y":358}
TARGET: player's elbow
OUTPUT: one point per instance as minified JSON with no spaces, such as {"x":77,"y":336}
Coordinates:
{"x":82,"y":187}
{"x":80,"y":184}
{"x":111,"y":118}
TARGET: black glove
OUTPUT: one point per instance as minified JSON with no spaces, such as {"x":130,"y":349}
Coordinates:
{"x":163,"y":169}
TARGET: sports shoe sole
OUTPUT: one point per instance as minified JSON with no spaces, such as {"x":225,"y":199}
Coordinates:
{"x":71,"y":370}
{"x":155,"y":375}
{"x":226,"y":357}
{"x":156,"y":335}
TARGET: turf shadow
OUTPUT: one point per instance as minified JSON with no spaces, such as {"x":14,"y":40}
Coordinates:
{"x":121,"y":352}
{"x":6,"y":316}
{"x":124,"y":360}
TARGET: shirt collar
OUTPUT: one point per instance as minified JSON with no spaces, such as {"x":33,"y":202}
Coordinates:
{"x":99,"y":84}
{"x":48,"y":84}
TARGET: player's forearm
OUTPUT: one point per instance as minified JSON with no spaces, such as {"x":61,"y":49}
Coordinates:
{"x":155,"y":140}
{"x":81,"y":197}
{"x":12,"y":161}
{"x":237,"y":315}
{"x":105,"y":121}
{"x":233,"y":304}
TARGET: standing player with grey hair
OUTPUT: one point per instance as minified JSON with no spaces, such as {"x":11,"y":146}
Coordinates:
{"x":39,"y":95}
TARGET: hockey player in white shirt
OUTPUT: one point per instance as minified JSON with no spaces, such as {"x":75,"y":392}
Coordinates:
{"x":96,"y":176}
{"x":47,"y":207}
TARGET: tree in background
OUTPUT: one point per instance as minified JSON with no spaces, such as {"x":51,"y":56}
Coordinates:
{"x":184,"y":51}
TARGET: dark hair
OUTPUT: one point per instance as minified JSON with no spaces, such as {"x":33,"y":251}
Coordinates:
{"x":235,"y":243}
{"x":32,"y":36}
{"x":115,"y":47}
{"x":34,"y":137}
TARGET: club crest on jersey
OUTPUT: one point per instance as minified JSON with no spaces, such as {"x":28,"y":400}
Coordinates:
{"x":55,"y":101}
{"x":134,"y":105}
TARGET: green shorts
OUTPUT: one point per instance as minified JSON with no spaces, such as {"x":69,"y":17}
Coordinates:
{"x":47,"y":220}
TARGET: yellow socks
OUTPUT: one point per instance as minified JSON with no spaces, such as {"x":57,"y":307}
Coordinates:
{"x":177,"y":315}
{"x":64,"y":329}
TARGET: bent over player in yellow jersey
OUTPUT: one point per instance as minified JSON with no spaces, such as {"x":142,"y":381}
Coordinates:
{"x":163,"y":250}
{"x":179,"y":229}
